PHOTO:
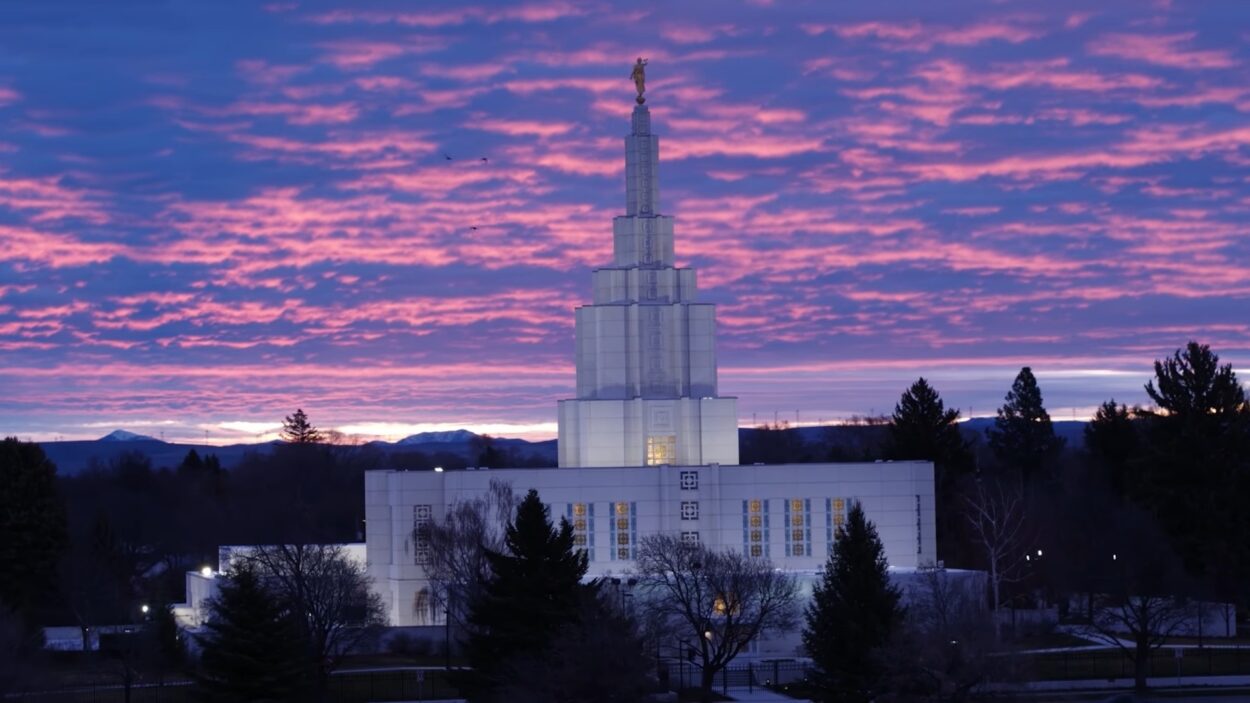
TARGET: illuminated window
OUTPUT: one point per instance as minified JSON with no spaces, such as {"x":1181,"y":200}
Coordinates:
{"x":582,"y":517}
{"x":755,"y":528}
{"x":661,"y":449}
{"x":799,"y":522}
{"x":835,"y":517}
{"x":421,"y":545}
{"x":624,"y":536}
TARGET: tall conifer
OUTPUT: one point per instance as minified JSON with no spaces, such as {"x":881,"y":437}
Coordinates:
{"x":1022,"y":437}
{"x":534,"y":590}
{"x":853,"y":613}
{"x":252,"y":649}
{"x":922,"y":427}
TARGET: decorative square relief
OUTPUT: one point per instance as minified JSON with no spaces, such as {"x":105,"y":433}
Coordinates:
{"x":690,"y":510}
{"x":689,"y":537}
{"x":661,"y":419}
{"x":690,"y":480}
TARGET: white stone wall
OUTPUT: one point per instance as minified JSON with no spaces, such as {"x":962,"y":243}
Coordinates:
{"x":707,"y":500}
{"x":614,"y":432}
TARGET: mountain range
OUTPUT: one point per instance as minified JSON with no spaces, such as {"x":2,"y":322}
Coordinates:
{"x":72,"y":457}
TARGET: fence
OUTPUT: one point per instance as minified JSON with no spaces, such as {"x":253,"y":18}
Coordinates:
{"x":677,"y":674}
{"x":1112,"y":663}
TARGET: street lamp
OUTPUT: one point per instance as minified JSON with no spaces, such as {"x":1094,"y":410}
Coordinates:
{"x":144,"y":609}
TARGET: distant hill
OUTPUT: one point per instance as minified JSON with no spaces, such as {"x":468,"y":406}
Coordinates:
{"x":124,"y":436}
{"x":76,"y":456}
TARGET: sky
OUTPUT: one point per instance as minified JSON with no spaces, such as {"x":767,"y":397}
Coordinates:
{"x":212,"y":213}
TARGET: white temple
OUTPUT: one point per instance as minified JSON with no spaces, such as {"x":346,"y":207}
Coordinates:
{"x":648,"y":446}
{"x":646,"y":351}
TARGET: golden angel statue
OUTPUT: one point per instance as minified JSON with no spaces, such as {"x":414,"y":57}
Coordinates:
{"x":639,"y":77}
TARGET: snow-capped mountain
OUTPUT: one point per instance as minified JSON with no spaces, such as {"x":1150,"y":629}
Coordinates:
{"x":451,"y":436}
{"x":124,"y":436}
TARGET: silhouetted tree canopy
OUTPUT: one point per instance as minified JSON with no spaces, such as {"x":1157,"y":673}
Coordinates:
{"x":922,"y":427}
{"x":1023,"y":438}
{"x":296,"y":429}
{"x":32,"y":525}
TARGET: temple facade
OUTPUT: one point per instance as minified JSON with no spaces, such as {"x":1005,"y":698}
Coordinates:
{"x":646,"y":350}
{"x":648,"y":445}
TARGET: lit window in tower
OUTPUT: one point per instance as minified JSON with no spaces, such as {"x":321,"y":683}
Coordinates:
{"x":799,"y":527}
{"x":624,"y":531}
{"x":582,"y":517}
{"x":755,"y":528}
{"x":661,"y":449}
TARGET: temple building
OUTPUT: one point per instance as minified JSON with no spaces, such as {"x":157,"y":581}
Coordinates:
{"x":646,"y":351}
{"x":648,"y":445}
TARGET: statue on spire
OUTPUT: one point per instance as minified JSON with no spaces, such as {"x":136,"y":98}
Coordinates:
{"x":639,"y":77}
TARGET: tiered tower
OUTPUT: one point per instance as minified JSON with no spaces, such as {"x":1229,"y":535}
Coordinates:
{"x":646,"y":351}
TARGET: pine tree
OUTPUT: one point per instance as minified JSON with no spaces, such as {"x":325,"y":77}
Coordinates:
{"x":923,"y":428}
{"x":1197,"y":463}
{"x":252,"y":648}
{"x":1023,"y":438}
{"x":1113,"y":442}
{"x":32,"y":525}
{"x":853,"y":613}
{"x":534,"y":590}
{"x":297,"y":430}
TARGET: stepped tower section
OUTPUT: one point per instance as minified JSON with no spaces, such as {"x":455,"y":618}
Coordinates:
{"x":646,"y":350}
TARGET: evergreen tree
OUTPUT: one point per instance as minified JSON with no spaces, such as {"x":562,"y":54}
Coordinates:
{"x":853,"y":613}
{"x":32,"y":525}
{"x":534,"y":590}
{"x":1197,"y":463}
{"x":252,"y":649}
{"x":297,"y":430}
{"x":1113,"y":442}
{"x":1023,"y":438}
{"x":923,"y":428}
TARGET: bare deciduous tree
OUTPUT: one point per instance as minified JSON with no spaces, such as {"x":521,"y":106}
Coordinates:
{"x":1142,"y":602}
{"x":457,"y":544}
{"x":715,"y":603}
{"x":944,"y":650}
{"x":996,"y":515}
{"x":331,"y":595}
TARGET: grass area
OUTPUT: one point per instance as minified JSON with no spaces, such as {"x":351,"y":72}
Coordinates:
{"x":86,"y":685}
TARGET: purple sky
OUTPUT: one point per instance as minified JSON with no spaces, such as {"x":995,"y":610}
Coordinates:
{"x":214,"y":212}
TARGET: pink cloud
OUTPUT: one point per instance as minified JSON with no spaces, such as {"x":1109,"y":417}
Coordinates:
{"x":915,"y":36}
{"x":359,"y":54}
{"x":8,"y":96}
{"x":1161,"y":50}
{"x":536,"y":12}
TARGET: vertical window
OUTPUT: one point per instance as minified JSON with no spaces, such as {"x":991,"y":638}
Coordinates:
{"x":690,"y":510}
{"x":755,"y":527}
{"x":421,"y":546}
{"x":624,"y":531}
{"x":835,"y":517}
{"x":798,"y":527}
{"x":661,"y":449}
{"x":582,"y":517}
